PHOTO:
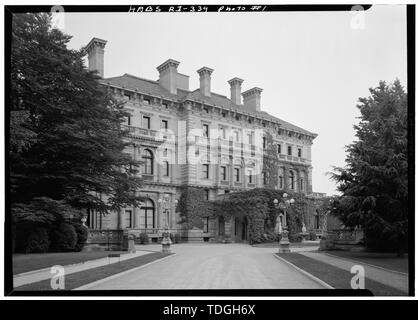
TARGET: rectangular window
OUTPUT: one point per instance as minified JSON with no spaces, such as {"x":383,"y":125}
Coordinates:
{"x":281,"y":182}
{"x":206,"y":224}
{"x":279,"y":148}
{"x":128,"y":218}
{"x":165,"y":105}
{"x":236,"y":136}
{"x":146,"y":101}
{"x":164,"y":124}
{"x":236,"y":173}
{"x":206,"y":194}
{"x":264,"y":176}
{"x":264,"y":142}
{"x":205,"y":171}
{"x":299,"y":152}
{"x":166,"y":169}
{"x":289,"y":150}
{"x":127,"y":96}
{"x":301,"y":184}
{"x":146,"y":122}
{"x":250,"y":138}
{"x":250,"y":176}
{"x":223,"y":173}
{"x":129,"y":120}
{"x":206,"y":130}
{"x":206,"y":109}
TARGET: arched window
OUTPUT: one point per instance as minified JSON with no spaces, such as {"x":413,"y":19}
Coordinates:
{"x":147,"y":215}
{"x":148,"y":162}
{"x":292,"y":180}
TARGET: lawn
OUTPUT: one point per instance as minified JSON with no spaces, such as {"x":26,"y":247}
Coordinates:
{"x":336,"y":277}
{"x":78,"y":279}
{"x":35,"y":261}
{"x":385,"y":260}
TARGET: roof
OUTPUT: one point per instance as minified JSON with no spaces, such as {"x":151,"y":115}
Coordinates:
{"x":152,"y":87}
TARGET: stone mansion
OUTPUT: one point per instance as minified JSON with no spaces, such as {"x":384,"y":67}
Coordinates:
{"x":199,"y":138}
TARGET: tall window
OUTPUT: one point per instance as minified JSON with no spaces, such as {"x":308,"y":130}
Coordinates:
{"x":250,"y":138}
{"x":236,"y":173}
{"x":205,"y":171}
{"x":264,"y":176}
{"x":292,"y":180}
{"x":280,"y":182}
{"x":223,"y":173}
{"x":289,"y":150}
{"x":206,"y":224}
{"x":128,"y":219}
{"x":222,"y":132}
{"x":129,"y":119}
{"x":166,"y":169}
{"x":264,"y":142}
{"x":236,"y":133}
{"x":147,"y":215}
{"x":146,"y":122}
{"x":279,"y":148}
{"x":250,"y":176}
{"x":148,"y":160}
{"x":206,"y":194}
{"x":301,"y":184}
{"x":164,"y":124}
{"x":206,"y":130}
{"x":299,"y":152}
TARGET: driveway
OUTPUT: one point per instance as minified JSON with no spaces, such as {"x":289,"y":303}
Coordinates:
{"x":212,"y":266}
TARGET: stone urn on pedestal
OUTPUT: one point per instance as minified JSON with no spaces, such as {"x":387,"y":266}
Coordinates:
{"x":166,"y":242}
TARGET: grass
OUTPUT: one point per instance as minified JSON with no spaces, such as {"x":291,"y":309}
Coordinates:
{"x":35,"y":261}
{"x":78,"y":279}
{"x":385,"y":260}
{"x":336,"y":277}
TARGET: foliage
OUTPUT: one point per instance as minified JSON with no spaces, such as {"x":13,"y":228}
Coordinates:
{"x":270,"y":162}
{"x":177,"y":238}
{"x":374,"y":182}
{"x":312,"y":236}
{"x":64,"y":238}
{"x":295,"y":238}
{"x":38,"y":241}
{"x":143,"y":238}
{"x":193,"y":207}
{"x":82,"y":235}
{"x":66,"y":142}
{"x":257,"y":205}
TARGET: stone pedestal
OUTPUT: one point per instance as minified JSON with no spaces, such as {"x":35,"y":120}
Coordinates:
{"x":284,"y":245}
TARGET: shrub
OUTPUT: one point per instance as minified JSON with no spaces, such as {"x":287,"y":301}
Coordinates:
{"x":38,"y":241}
{"x":143,"y":238}
{"x":295,"y":238}
{"x":82,"y":235}
{"x":64,"y":238}
{"x":312,"y":236}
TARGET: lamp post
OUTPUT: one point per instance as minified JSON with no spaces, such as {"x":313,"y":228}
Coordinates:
{"x":284,"y":204}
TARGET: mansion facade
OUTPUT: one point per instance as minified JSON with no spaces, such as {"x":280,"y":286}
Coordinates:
{"x":197,"y":138}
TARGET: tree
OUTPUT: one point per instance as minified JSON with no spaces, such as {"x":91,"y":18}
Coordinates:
{"x":374,"y":182}
{"x":66,"y":142}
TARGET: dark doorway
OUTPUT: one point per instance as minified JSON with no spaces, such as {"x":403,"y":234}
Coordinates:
{"x":221,"y":226}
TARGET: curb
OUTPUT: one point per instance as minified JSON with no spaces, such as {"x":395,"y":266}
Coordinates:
{"x":92,"y":284}
{"x":366,"y":264}
{"x":312,"y":277}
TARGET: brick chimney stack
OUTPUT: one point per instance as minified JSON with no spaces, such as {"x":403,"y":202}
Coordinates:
{"x":252,"y":98}
{"x":95,"y":51}
{"x":169,"y":75}
{"x":235,"y":84}
{"x":204,"y":74}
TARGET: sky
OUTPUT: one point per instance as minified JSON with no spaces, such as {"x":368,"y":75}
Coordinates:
{"x":312,"y":66}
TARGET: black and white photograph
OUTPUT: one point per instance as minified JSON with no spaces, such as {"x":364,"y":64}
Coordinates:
{"x":163,"y":149}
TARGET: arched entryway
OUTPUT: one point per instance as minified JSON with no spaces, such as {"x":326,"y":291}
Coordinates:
{"x":241,"y":229}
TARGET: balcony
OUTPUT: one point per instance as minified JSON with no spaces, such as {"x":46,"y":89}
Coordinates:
{"x":138,"y":132}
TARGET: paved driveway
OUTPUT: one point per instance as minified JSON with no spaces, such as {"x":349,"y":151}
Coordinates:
{"x":213,"y":266}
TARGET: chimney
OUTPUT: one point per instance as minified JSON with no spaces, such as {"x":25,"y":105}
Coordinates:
{"x":95,"y":51}
{"x":235,"y":84}
{"x":252,"y":98}
{"x":168,"y":75}
{"x":204,"y":74}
